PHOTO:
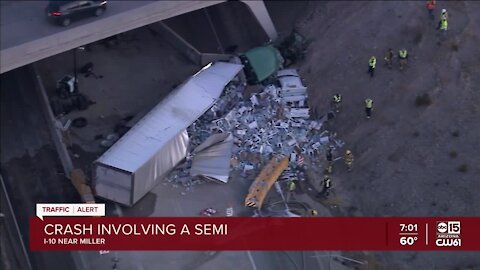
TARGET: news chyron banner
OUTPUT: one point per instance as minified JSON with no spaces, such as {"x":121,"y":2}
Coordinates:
{"x":85,"y":227}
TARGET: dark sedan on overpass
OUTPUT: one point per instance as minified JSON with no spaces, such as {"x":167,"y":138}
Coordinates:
{"x":64,"y":12}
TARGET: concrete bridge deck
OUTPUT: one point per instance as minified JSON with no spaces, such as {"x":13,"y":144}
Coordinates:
{"x":26,"y":35}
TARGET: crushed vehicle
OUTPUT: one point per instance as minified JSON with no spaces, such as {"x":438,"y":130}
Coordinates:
{"x":290,"y":85}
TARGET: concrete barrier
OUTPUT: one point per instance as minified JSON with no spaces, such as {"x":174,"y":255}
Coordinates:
{"x":56,"y":134}
{"x":76,"y":176}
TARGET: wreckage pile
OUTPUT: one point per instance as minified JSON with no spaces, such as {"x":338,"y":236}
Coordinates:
{"x":265,"y":124}
{"x":270,"y":122}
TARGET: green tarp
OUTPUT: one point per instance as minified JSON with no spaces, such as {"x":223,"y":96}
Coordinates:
{"x":265,"y":61}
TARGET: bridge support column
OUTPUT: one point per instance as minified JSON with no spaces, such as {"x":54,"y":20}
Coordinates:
{"x":260,"y":12}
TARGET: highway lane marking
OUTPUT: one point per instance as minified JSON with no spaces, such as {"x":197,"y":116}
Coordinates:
{"x":252,"y":261}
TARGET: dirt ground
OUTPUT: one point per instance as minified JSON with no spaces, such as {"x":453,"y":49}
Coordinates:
{"x":409,"y":160}
{"x":122,"y":90}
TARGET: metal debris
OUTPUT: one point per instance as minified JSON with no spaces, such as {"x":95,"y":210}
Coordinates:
{"x":274,"y":121}
{"x":212,"y":158}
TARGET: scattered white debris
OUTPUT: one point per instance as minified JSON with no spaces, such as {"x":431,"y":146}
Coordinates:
{"x":247,"y":167}
{"x":253,"y":125}
{"x":275,"y":121}
{"x":299,"y":112}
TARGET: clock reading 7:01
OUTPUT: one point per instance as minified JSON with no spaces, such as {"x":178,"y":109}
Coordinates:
{"x":408,"y":227}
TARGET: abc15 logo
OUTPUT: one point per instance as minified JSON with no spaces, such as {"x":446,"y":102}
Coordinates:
{"x":448,"y":227}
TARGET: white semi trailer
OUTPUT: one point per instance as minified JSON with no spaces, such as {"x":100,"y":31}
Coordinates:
{"x":158,"y":142}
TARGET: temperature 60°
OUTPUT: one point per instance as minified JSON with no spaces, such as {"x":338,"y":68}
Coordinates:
{"x":408,"y":240}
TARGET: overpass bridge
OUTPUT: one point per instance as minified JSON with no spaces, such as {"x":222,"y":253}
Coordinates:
{"x":26,"y":36}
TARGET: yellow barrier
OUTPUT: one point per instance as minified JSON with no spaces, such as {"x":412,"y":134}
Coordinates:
{"x":79,"y":181}
{"x":265,"y":180}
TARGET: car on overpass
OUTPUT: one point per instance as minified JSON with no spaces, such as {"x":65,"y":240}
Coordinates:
{"x":64,"y":12}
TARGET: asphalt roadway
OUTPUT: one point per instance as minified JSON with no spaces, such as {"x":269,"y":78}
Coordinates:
{"x":29,"y":162}
{"x":27,"y":36}
{"x":24,"y":21}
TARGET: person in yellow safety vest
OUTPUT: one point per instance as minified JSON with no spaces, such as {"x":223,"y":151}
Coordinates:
{"x":327,"y":184}
{"x":291,"y":186}
{"x":368,"y":107}
{"x":443,"y":20}
{"x":371,"y":65}
{"x":313,"y":212}
{"x":443,"y":25}
{"x":444,"y":15}
{"x":402,"y":57}
{"x":349,"y":160}
{"x":336,"y":100}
